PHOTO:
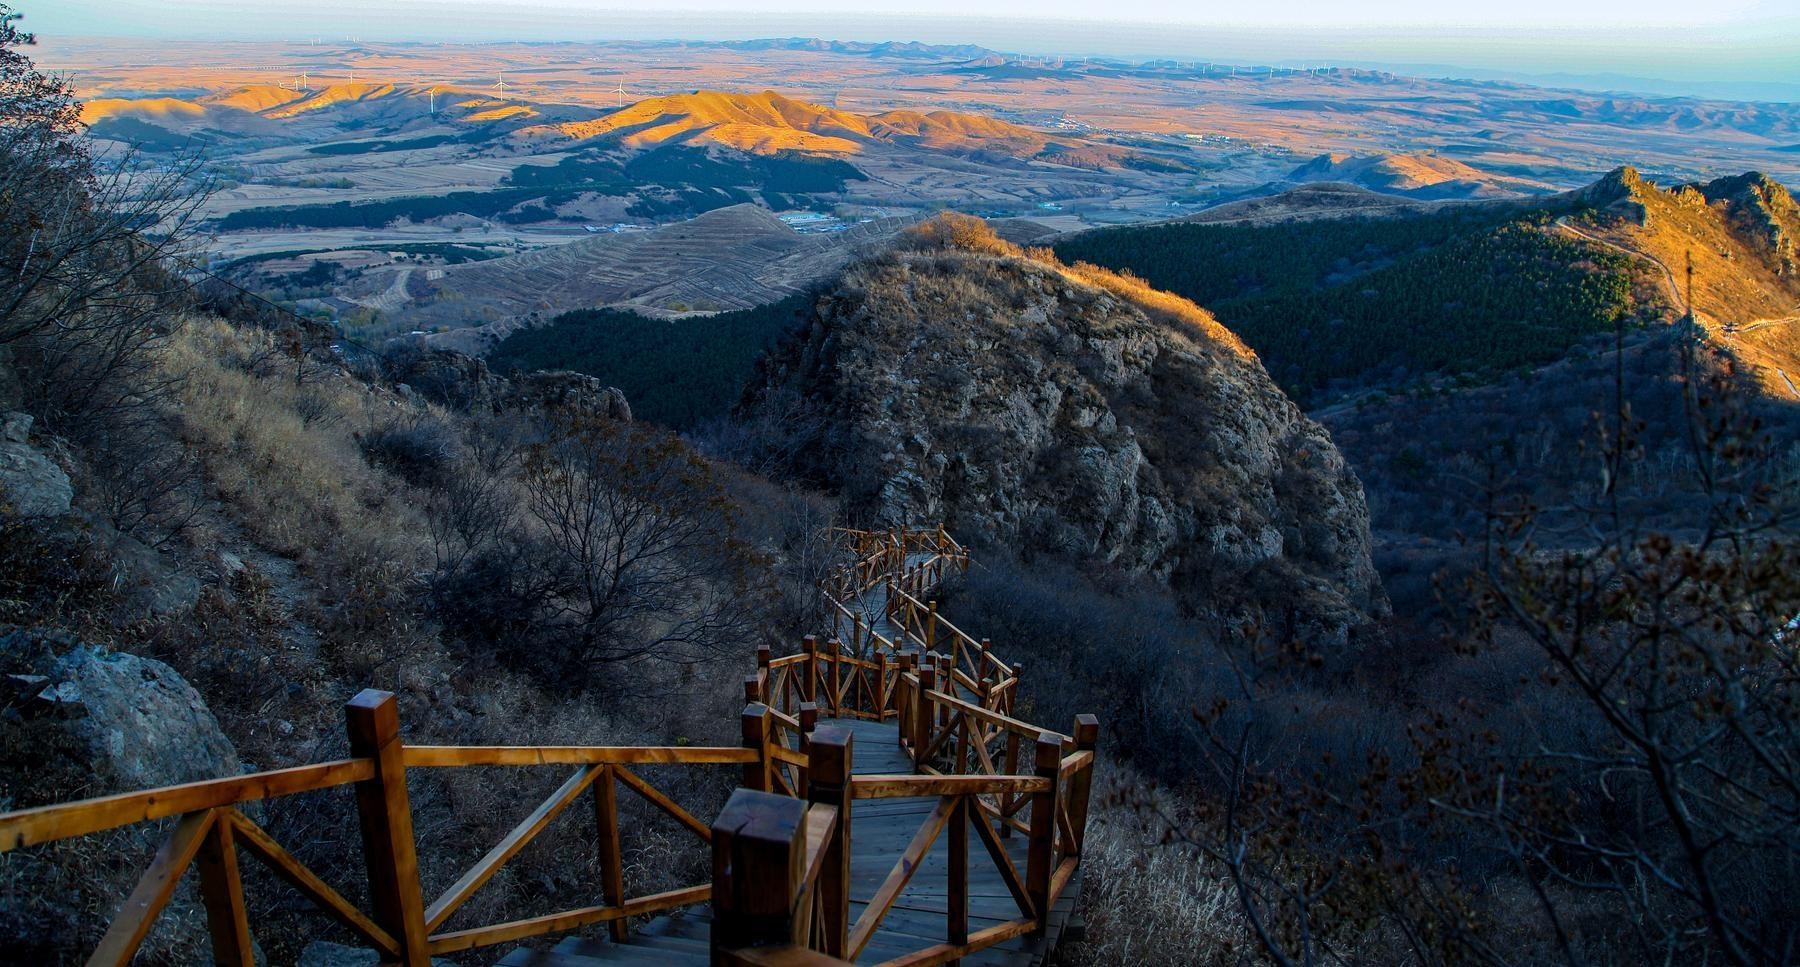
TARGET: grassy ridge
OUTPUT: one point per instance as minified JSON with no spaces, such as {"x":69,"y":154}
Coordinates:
{"x":679,"y":373}
{"x":1337,"y":305}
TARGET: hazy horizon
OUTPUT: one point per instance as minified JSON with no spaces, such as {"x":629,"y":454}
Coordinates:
{"x":1740,"y":51}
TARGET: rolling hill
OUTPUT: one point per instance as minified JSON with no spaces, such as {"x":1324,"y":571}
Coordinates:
{"x":1391,"y":299}
{"x":1417,"y":175}
{"x":275,"y":111}
{"x":770,"y":122}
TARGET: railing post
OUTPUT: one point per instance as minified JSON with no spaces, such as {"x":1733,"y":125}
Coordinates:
{"x":956,"y":894}
{"x":612,"y":858}
{"x":880,"y":698}
{"x":222,"y":892}
{"x":763,"y":657}
{"x":755,"y":728}
{"x":809,"y":721}
{"x":389,"y":850}
{"x":1087,"y":736}
{"x":931,"y":626}
{"x":834,"y":649}
{"x":752,"y":689}
{"x":759,"y":857}
{"x":922,"y":714}
{"x":946,"y":683}
{"x":1012,"y":769}
{"x":810,"y":689}
{"x":903,"y":699}
{"x":1040,"y":851}
{"x":832,"y":752}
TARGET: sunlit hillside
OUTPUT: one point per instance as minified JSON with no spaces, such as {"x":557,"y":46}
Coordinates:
{"x":770,"y":122}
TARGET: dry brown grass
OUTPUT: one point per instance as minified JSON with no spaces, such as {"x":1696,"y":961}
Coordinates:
{"x":966,"y":233}
{"x":1148,"y":902}
{"x":284,"y":452}
{"x":1154,"y":302}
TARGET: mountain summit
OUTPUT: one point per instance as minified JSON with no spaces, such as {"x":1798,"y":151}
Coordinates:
{"x":1070,"y":411}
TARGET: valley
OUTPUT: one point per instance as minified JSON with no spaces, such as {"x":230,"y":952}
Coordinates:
{"x":358,"y":155}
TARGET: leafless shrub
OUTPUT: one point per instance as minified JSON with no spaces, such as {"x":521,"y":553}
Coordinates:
{"x":420,"y":449}
{"x":956,"y":231}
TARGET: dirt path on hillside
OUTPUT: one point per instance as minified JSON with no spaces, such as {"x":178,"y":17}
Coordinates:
{"x":1675,"y":297}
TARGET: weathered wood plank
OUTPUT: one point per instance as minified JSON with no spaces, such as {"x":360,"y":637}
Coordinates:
{"x":902,"y":786}
{"x":898,"y":876}
{"x":567,"y":920}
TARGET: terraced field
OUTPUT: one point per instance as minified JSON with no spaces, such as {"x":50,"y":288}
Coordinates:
{"x":731,"y":258}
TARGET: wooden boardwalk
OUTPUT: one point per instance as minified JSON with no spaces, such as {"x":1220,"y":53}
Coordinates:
{"x":880,"y":831}
{"x":926,"y":825}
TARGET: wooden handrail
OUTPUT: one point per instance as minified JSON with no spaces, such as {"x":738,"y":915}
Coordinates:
{"x":399,"y":926}
{"x":995,"y":718}
{"x":44,"y":824}
{"x":455,"y":756}
{"x":472,"y":880}
{"x":902,"y":786}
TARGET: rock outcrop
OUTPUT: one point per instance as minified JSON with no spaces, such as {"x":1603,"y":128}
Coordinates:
{"x":31,"y":484}
{"x":464,"y":382}
{"x":1064,"y":411}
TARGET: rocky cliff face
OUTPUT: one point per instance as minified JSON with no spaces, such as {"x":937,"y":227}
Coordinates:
{"x":1026,"y":407}
{"x":463,"y":382}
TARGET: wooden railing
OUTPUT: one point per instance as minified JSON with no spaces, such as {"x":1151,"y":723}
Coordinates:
{"x":212,"y":831}
{"x":952,"y":699}
{"x":781,"y":892}
{"x":781,"y":848}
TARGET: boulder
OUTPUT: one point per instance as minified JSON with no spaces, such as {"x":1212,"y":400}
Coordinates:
{"x":133,"y":722}
{"x":449,"y":378}
{"x":31,"y":484}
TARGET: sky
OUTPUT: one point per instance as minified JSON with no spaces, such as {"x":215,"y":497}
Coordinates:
{"x":1747,"y":48}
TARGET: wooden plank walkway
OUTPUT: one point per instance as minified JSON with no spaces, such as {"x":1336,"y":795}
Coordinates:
{"x":880,"y":831}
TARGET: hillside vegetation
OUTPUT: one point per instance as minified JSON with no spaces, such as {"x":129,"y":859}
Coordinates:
{"x":1338,"y":304}
{"x":714,"y":355}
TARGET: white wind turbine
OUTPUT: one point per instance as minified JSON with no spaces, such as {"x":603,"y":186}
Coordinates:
{"x":621,"y":93}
